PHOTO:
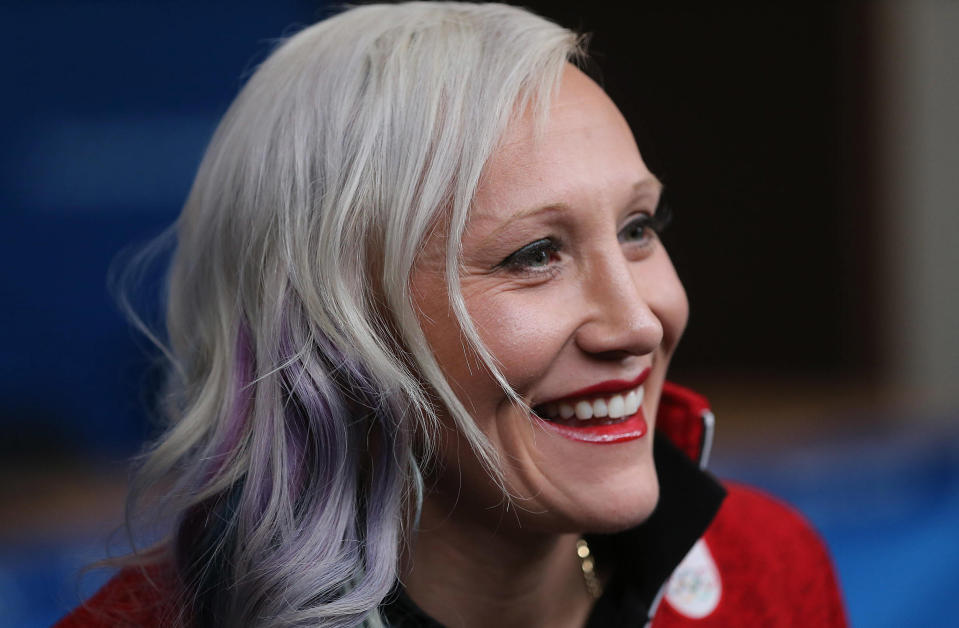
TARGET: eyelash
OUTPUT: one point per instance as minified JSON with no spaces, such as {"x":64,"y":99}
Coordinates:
{"x":656,"y":222}
{"x":527,"y":259}
{"x":523,"y":260}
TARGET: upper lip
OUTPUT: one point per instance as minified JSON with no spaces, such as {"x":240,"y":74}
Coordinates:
{"x":609,"y":386}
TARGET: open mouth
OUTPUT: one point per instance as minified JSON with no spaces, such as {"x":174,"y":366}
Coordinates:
{"x":592,"y":410}
{"x":611,"y":412}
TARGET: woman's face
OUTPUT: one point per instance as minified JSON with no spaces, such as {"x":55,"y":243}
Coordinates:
{"x":577,"y":300}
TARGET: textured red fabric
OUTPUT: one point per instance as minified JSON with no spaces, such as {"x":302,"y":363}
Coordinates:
{"x":774,"y":568}
{"x":680,"y":418}
{"x":134,"y":598}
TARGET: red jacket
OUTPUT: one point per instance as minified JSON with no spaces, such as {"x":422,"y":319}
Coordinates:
{"x":757,"y":564}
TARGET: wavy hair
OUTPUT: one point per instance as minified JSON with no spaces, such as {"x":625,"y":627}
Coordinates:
{"x":302,"y":397}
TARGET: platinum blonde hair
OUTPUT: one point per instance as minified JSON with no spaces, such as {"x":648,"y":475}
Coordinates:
{"x":302,"y":394}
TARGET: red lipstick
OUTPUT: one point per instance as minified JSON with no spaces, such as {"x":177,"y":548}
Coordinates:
{"x":609,"y":386}
{"x":600,"y":429}
{"x":630,"y":428}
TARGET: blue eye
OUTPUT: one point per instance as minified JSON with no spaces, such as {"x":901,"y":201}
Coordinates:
{"x":643,"y":226}
{"x":535,"y":255}
{"x":639,"y":229}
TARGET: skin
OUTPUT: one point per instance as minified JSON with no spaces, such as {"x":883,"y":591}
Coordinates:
{"x":603,"y":304}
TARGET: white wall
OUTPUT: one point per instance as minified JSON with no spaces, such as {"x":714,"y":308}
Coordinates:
{"x":919,"y":108}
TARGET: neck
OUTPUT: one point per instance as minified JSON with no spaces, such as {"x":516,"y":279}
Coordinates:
{"x":465,"y":572}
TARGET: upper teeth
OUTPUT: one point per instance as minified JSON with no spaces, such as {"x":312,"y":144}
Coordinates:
{"x":614,"y":407}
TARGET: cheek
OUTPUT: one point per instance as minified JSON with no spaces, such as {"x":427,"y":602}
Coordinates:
{"x":669,"y":303}
{"x":519,"y":330}
{"x":439,"y":325}
{"x":525,"y":332}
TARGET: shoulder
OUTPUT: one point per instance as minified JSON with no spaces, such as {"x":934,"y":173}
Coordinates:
{"x":770,"y":567}
{"x":757,"y":525}
{"x":135,"y":597}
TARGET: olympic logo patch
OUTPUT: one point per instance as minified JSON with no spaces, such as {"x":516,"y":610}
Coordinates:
{"x":694,"y":588}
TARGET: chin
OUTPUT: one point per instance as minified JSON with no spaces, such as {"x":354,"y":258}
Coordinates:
{"x":626,"y":510}
{"x":622,"y":500}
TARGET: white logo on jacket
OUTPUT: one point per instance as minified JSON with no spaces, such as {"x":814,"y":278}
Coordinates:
{"x":694,"y":588}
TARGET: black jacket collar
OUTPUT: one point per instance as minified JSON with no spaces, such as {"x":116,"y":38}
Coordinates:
{"x":644,"y":557}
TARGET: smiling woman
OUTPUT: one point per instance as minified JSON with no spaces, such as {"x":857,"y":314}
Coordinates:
{"x":578,"y":302}
{"x":419,"y":321}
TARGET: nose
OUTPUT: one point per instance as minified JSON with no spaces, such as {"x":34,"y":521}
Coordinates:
{"x":619,"y":321}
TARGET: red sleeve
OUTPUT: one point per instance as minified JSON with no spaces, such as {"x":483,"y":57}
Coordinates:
{"x":773,"y":567}
{"x":135,"y":597}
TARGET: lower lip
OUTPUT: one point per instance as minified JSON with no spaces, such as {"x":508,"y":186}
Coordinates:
{"x":630,"y":429}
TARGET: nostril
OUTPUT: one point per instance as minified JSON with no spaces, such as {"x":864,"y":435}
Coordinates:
{"x":613,"y":355}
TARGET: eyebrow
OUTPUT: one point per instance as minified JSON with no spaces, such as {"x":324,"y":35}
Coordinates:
{"x":640,"y":189}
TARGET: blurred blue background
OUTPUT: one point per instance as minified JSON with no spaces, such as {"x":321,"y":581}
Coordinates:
{"x":103,"y":124}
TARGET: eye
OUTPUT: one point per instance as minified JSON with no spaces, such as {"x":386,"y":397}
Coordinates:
{"x":534,"y":256}
{"x":641,"y":227}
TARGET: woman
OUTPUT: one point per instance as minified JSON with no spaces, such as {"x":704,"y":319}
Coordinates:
{"x":419,"y":321}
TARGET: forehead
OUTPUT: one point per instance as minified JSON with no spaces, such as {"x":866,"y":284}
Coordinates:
{"x":583,"y":156}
